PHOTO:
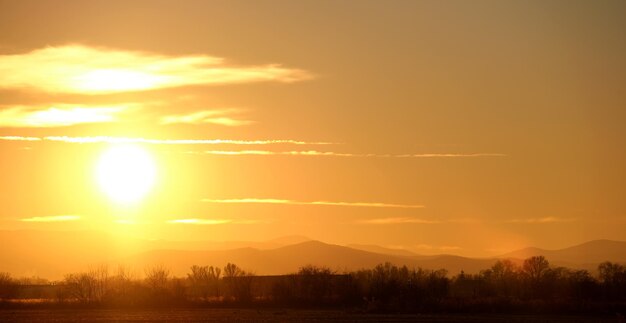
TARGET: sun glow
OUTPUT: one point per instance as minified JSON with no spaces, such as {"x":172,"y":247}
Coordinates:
{"x":126,"y":173}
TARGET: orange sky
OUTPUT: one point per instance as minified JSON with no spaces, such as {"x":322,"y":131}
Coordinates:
{"x":458,"y":127}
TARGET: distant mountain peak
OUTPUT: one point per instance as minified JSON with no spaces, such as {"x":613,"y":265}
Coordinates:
{"x":589,"y":252}
{"x":290,"y":239}
{"x":383,"y":250}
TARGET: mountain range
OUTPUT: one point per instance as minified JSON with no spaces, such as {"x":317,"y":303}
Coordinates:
{"x":51,"y":254}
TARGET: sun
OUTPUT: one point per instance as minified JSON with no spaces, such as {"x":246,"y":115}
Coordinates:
{"x":126,"y":173}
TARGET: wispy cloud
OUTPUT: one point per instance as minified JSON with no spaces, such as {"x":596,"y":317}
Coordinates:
{"x":339,"y":154}
{"x":397,"y":220}
{"x":200,"y":221}
{"x":104,"y":139}
{"x":401,"y":220}
{"x":58,"y":115}
{"x":220,"y":117}
{"x":548,"y":219}
{"x":53,"y":218}
{"x":211,"y":221}
{"x":292,"y":202}
{"x":127,"y":140}
{"x":117,"y":140}
{"x":283,"y":153}
{"x":448,"y":155}
{"x":19,"y":138}
{"x":84,"y":69}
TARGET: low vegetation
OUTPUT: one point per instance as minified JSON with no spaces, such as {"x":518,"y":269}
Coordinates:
{"x":535,"y":286}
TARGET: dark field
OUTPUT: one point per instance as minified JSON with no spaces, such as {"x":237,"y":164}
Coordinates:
{"x":269,"y":315}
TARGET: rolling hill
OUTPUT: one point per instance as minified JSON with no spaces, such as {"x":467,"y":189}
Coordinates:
{"x":289,"y":259}
{"x":383,"y":250}
{"x":52,"y":254}
{"x":592,"y":252}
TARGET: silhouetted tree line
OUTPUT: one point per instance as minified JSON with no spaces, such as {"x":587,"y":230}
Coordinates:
{"x":505,"y":286}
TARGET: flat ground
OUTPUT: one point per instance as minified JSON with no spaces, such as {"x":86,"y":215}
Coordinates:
{"x":269,"y":315}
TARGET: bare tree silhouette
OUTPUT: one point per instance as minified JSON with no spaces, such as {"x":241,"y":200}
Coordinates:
{"x":535,"y":267}
{"x":157,"y":277}
{"x":239,"y":283}
{"x":613,"y":279}
{"x":87,"y":287}
{"x":204,"y":281}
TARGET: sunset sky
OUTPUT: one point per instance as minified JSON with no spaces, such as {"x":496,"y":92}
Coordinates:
{"x":464,"y":127}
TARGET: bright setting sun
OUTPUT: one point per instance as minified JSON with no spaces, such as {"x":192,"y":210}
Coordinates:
{"x":126,"y":173}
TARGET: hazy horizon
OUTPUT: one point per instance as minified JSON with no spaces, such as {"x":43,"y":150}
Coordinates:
{"x":295,"y":239}
{"x":54,"y":254}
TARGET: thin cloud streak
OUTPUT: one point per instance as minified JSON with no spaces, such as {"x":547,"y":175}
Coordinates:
{"x":397,"y":220}
{"x":548,"y":219}
{"x":198,"y":221}
{"x":125,"y":140}
{"x":53,"y":218}
{"x":280,"y":153}
{"x":401,"y":220}
{"x":338,"y":154}
{"x":292,"y":202}
{"x":58,"y":115}
{"x":19,"y":138}
{"x":450,"y":155}
{"x":220,"y":117}
{"x":91,"y":70}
